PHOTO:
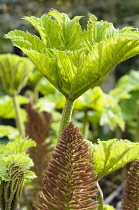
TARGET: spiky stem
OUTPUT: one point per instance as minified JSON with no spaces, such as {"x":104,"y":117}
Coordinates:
{"x":66,"y":115}
{"x":19,"y":120}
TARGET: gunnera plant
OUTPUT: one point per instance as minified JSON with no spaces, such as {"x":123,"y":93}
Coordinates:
{"x":69,"y":182}
{"x":38,"y":128}
{"x":131,"y":196}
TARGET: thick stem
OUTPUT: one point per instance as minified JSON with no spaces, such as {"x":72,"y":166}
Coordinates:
{"x":19,"y":120}
{"x":66,"y":115}
{"x":100,"y":197}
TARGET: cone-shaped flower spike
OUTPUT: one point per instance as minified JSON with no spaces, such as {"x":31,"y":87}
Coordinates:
{"x":69,"y":181}
{"x":71,"y":58}
{"x":131,"y":195}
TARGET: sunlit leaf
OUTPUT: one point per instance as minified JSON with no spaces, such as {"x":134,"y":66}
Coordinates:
{"x":19,"y":145}
{"x":113,"y":154}
{"x":71,"y":58}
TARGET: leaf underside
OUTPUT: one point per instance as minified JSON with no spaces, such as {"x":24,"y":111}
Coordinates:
{"x":71,"y":58}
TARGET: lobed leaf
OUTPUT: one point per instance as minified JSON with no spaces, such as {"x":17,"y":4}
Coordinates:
{"x":19,"y":145}
{"x":73,"y":59}
{"x":113,"y":154}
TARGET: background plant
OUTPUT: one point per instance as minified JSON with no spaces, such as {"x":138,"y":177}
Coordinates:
{"x":14,"y":74}
{"x":38,"y":128}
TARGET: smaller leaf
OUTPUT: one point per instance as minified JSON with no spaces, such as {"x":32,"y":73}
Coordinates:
{"x":19,"y":145}
{"x":113,"y":154}
{"x":19,"y":159}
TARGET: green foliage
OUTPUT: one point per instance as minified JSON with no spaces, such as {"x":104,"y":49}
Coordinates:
{"x":105,"y":108}
{"x":50,"y":102}
{"x":128,"y":99}
{"x":9,"y":131}
{"x":46,"y":87}
{"x":113,"y":154}
{"x":107,"y":207}
{"x":34,"y":78}
{"x":15,"y":151}
{"x":14,"y":72}
{"x":7,"y":107}
{"x":127,"y":83}
{"x":71,"y":58}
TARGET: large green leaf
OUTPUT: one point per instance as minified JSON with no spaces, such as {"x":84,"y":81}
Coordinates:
{"x":113,"y":154}
{"x":71,"y":58}
{"x":14,"y":72}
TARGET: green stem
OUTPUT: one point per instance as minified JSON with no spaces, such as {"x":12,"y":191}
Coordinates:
{"x":19,"y":120}
{"x":86,"y":124}
{"x":100,"y":197}
{"x":66,"y":115}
